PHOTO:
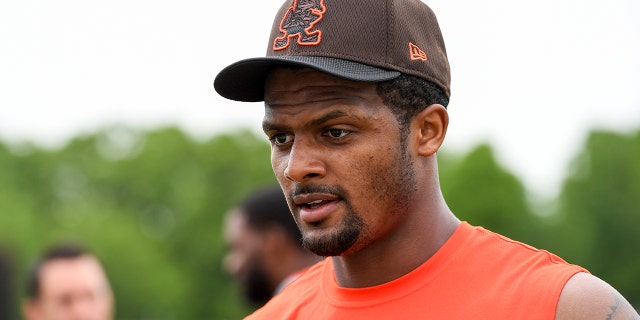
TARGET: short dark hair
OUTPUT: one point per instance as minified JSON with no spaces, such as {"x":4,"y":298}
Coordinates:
{"x":267,"y":206}
{"x":408,"y":95}
{"x":54,"y":252}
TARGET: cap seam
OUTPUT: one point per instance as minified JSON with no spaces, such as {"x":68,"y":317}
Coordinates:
{"x":389,"y":25}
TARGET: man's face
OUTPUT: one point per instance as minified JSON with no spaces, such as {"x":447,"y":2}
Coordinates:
{"x":244,"y":259}
{"x":337,"y":153}
{"x":72,"y":289}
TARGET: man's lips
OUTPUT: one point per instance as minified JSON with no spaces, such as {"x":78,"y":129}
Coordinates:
{"x":314,"y":207}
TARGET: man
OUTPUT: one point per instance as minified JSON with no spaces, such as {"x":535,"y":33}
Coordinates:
{"x":265,"y":252}
{"x":7,"y":303}
{"x":68,"y":283}
{"x":355,"y":119}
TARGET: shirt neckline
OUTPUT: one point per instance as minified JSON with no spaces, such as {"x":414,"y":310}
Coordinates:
{"x":395,"y":289}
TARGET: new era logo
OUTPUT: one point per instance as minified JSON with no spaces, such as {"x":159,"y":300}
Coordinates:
{"x":417,"y":53}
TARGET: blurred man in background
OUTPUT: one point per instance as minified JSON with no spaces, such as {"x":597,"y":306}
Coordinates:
{"x":68,"y":283}
{"x":265,"y":249}
{"x":6,"y":284}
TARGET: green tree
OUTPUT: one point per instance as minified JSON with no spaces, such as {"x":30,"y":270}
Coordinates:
{"x":150,"y":204}
{"x":479,"y":190}
{"x":599,"y":211}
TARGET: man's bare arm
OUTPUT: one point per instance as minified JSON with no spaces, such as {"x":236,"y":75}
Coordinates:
{"x":587,"y":297}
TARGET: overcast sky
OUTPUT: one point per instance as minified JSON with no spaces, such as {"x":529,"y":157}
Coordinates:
{"x":531,"y":78}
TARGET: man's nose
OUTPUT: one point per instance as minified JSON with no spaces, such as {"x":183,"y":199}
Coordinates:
{"x":304,"y":161}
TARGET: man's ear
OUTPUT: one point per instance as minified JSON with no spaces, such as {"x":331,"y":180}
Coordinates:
{"x":431,"y":124}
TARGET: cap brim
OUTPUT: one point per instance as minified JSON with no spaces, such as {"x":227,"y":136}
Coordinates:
{"x":244,"y":80}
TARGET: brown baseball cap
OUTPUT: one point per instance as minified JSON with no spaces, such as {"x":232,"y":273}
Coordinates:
{"x":361,"y":40}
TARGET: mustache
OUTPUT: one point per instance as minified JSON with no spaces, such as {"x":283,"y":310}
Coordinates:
{"x":317,"y":188}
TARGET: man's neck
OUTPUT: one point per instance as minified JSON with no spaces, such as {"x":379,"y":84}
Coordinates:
{"x":398,"y":254}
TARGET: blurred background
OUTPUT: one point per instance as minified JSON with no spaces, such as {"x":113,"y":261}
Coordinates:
{"x":111,"y":134}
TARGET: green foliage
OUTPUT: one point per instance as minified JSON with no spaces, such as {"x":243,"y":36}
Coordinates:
{"x":151,"y":205}
{"x":599,"y":210}
{"x":483,"y":193}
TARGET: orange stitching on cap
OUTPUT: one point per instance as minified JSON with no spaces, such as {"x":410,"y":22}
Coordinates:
{"x":302,"y":14}
{"x":417,"y":53}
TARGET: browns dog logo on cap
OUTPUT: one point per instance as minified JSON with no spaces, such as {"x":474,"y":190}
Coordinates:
{"x":299,"y":21}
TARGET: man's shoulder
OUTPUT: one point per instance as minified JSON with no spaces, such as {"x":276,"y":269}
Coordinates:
{"x":503,"y":248}
{"x":585,"y":296}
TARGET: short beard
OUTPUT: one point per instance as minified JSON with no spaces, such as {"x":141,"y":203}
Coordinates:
{"x":255,"y":285}
{"x":340,"y":241}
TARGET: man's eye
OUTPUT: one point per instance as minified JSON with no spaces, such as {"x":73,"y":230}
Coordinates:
{"x":280,"y":138}
{"x":337,"y":133}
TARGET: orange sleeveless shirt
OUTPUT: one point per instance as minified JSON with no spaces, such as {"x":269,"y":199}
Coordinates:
{"x":476,"y":274}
